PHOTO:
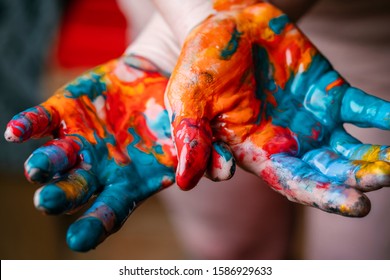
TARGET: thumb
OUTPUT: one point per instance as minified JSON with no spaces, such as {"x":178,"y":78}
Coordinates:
{"x":187,"y":100}
{"x":192,"y":138}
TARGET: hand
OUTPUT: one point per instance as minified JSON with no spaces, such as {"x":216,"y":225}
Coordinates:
{"x":111,"y":137}
{"x":250,"y":78}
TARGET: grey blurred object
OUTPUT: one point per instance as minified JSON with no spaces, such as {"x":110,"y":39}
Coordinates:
{"x":26,"y":32}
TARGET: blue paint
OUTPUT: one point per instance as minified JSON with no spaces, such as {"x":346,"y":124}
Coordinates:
{"x":353,"y":149}
{"x":146,"y":164}
{"x":365,"y":110}
{"x":320,"y":102}
{"x":302,"y":81}
{"x":117,"y":201}
{"x":173,"y":117}
{"x":86,"y":157}
{"x":263,"y":72}
{"x":223,"y":151}
{"x":304,"y":105}
{"x":124,"y":187}
{"x":53,"y":199}
{"x":308,"y":185}
{"x":45,"y":162}
{"x":91,"y":86}
{"x":334,"y":166}
{"x":299,"y":169}
{"x":278,"y":24}
{"x":85,"y":234}
{"x":341,"y":141}
{"x":232,"y":46}
{"x":160,"y":126}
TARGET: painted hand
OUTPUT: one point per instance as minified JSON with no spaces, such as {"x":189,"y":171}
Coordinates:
{"x":111,"y":138}
{"x":250,"y":78}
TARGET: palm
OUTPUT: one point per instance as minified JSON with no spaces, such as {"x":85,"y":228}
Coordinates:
{"x":111,"y":137}
{"x":264,"y":89}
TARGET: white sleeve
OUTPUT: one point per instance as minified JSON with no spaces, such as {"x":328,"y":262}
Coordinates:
{"x":183,"y":15}
{"x":156,"y":43}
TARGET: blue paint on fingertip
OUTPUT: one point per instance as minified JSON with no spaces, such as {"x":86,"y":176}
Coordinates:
{"x":85,"y":234}
{"x":52,"y":200}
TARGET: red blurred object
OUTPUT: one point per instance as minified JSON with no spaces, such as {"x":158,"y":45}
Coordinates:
{"x":92,"y":32}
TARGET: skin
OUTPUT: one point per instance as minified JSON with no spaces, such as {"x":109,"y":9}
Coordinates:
{"x":111,"y":139}
{"x":250,"y":78}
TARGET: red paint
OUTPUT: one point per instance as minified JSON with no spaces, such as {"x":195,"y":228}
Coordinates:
{"x":34,"y":124}
{"x":321,"y":185}
{"x":193,"y":143}
{"x":281,"y":140}
{"x":269,"y":175}
{"x":340,"y":81}
{"x":69,"y":147}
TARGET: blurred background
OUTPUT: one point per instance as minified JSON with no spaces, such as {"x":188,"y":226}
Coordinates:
{"x":46,"y":43}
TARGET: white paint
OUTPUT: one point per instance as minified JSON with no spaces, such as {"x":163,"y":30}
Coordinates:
{"x":99,"y":104}
{"x":10,"y":136}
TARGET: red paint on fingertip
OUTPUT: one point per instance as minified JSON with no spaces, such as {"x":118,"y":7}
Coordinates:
{"x":193,"y":143}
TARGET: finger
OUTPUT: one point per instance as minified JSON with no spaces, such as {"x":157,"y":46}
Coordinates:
{"x":222,"y":164}
{"x":195,"y":94}
{"x":353,"y":149}
{"x":363,"y":175}
{"x":193,"y":143}
{"x":365,"y":110}
{"x":55,"y":157}
{"x":299,"y":182}
{"x":35,"y":122}
{"x":106,"y":215}
{"x":67,"y":194}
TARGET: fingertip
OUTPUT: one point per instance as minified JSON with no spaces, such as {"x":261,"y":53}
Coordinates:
{"x":85,"y":234}
{"x":192,"y":165}
{"x":37,"y":168}
{"x":51,"y":199}
{"x":365,"y":110}
{"x":35,"y":122}
{"x":11,"y":135}
{"x":186,"y":184}
{"x":362,"y":207}
{"x":357,"y":209}
{"x":193,"y":143}
{"x":347,"y":202}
